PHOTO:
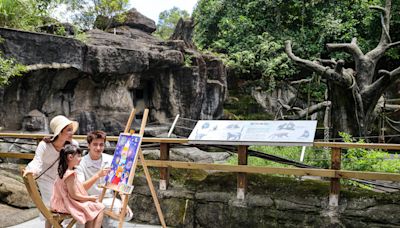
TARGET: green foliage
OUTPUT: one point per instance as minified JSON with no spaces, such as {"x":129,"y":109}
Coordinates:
{"x":188,"y":60}
{"x":86,"y":11}
{"x":292,"y":153}
{"x":251,"y":33}
{"x":167,"y":21}
{"x":21,"y":14}
{"x":244,"y":107}
{"x":315,"y":88}
{"x":368,"y":160}
{"x":61,"y":31}
{"x":9,"y":68}
{"x":356,"y":159}
{"x":81,"y":37}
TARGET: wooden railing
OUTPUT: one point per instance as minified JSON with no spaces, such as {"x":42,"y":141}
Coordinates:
{"x":334,"y":173}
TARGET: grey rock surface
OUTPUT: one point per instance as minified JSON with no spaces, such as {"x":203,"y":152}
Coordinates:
{"x":211,"y":202}
{"x":98,"y":82}
{"x":12,"y":191}
{"x":10,"y":216}
{"x":190,"y":154}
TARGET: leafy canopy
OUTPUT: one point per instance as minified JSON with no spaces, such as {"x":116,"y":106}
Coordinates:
{"x":251,"y":33}
{"x":85,"y":12}
{"x":167,"y":21}
{"x":21,"y":14}
{"x":9,"y":68}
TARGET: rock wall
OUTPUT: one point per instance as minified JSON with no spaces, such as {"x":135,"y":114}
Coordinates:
{"x":210,"y":201}
{"x":98,"y":82}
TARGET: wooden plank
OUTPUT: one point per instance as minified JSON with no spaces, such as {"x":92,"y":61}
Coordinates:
{"x":110,"y":213}
{"x":368,"y":175}
{"x":165,"y":140}
{"x":252,"y":169}
{"x":130,"y":119}
{"x":27,"y":156}
{"x":243,"y":168}
{"x":123,"y":211}
{"x":151,"y":187}
{"x":144,"y":121}
{"x":383,"y":146}
{"x":277,"y":170}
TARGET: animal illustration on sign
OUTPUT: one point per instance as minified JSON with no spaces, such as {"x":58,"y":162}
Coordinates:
{"x":279,"y":135}
{"x":287,"y":126}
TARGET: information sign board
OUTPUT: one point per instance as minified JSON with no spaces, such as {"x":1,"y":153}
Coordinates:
{"x":257,"y":132}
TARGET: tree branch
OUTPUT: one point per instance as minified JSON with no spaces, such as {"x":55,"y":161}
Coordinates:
{"x":351,"y":48}
{"x":327,"y":62}
{"x":393,"y":44}
{"x":387,"y":78}
{"x":385,"y":18}
{"x":391,"y":107}
{"x":306,"y":80}
{"x":303,"y":62}
{"x":343,"y":78}
{"x":385,"y":40}
{"x":285,"y":106}
{"x":301,"y":113}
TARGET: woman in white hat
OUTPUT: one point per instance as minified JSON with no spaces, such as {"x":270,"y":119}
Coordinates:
{"x":45,"y":163}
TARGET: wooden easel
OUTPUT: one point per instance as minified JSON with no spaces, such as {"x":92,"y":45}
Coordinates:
{"x":125,"y":196}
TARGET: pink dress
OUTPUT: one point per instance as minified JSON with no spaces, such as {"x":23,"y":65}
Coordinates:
{"x":63,"y":203}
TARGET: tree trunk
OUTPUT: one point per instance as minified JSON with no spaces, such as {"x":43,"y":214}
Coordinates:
{"x":355,"y":93}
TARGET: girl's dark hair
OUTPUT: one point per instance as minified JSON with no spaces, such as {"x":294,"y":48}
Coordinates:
{"x":63,"y":164}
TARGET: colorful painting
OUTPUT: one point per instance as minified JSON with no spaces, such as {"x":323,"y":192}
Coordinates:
{"x":124,"y":157}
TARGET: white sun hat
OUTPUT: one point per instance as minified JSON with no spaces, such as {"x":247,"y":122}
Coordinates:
{"x":58,"y":123}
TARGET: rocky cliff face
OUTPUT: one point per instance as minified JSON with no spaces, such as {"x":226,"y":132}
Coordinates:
{"x":99,"y":81}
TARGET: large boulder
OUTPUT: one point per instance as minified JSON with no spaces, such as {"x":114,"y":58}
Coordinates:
{"x":190,"y":154}
{"x":11,"y":216}
{"x":99,"y":81}
{"x":13,"y":192}
{"x":35,"y":121}
{"x":132,"y":18}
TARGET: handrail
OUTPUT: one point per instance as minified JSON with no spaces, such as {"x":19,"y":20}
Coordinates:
{"x":334,"y":173}
{"x":342,"y":145}
{"x":27,"y":156}
{"x":384,"y":146}
{"x":253,"y":169}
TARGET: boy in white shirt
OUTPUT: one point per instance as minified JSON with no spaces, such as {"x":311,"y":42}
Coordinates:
{"x":90,"y":165}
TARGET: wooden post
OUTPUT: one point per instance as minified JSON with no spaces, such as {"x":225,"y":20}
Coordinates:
{"x":152,"y":190}
{"x":242,"y":177}
{"x":164,"y":171}
{"x":335,"y":182}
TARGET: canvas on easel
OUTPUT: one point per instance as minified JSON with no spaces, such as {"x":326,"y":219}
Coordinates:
{"x":123,"y":170}
{"x":125,"y":155}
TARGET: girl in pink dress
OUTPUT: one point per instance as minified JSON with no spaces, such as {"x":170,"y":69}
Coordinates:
{"x":69,"y":195}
